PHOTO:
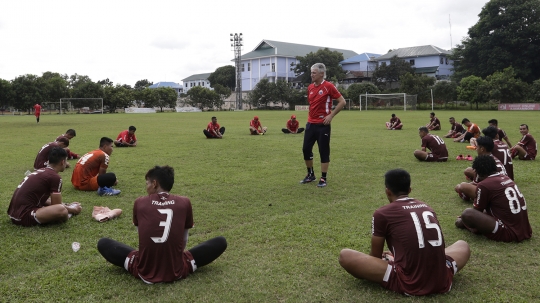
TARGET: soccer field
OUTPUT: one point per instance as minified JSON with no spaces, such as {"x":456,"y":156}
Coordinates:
{"x":283,"y":238}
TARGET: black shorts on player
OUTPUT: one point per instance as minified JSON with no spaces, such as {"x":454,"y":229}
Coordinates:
{"x":319,"y":133}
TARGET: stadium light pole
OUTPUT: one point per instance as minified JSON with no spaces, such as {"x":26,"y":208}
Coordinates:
{"x":236,"y":45}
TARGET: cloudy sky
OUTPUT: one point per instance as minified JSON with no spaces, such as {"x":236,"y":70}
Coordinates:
{"x":166,"y":40}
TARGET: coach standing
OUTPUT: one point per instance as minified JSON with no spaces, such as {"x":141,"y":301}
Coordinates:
{"x":320,"y":96}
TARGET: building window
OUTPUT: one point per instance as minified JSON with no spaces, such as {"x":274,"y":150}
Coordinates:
{"x":186,"y":85}
{"x":383,"y":63}
{"x":242,"y":66}
{"x":411,"y":62}
{"x":249,"y":67}
{"x":442,"y":60}
{"x":446,"y":61}
{"x":273,"y":67}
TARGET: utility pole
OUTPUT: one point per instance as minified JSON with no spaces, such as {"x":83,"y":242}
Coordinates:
{"x":236,"y":44}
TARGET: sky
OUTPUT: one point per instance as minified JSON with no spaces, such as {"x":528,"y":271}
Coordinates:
{"x":166,"y":40}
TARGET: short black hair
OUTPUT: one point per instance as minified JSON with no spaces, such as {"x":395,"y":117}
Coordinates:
{"x":484,"y":165}
{"x":432,"y":114}
{"x":164,"y":175}
{"x":493,"y":121}
{"x":57,"y":154}
{"x":525,"y":125}
{"x":393,"y":115}
{"x":64,"y":140}
{"x":105,"y":140}
{"x":133,"y":128}
{"x":464,"y":120}
{"x":214,"y":117}
{"x":490,"y":131}
{"x":71,"y":132}
{"x":423,"y":129}
{"x":398,"y":181}
{"x":451,"y":118}
{"x":486,"y":142}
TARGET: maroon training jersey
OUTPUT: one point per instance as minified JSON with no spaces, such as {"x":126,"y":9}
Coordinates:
{"x":501,"y":133}
{"x":414,"y":237}
{"x":500,"y":197}
{"x":501,"y":152}
{"x":436,"y":145}
{"x":458,"y":128}
{"x":34,"y":191}
{"x":42,"y":158}
{"x":161,"y":219}
{"x":211,"y":126}
{"x":320,"y":101}
{"x":395,"y":120}
{"x":529,"y":144}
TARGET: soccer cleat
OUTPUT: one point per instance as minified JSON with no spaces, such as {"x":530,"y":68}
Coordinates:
{"x":460,"y":157}
{"x":308,"y":178}
{"x":469,"y":158}
{"x":107,"y":191}
{"x":322,"y":183}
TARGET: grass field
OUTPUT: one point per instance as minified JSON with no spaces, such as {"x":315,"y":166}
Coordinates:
{"x":284,"y":238}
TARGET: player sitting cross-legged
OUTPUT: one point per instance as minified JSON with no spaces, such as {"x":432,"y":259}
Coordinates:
{"x":499,"y":211}
{"x":163,"y":221}
{"x":213,"y":130}
{"x":500,"y":150}
{"x":70,"y":134}
{"x":42,"y":158}
{"x":417,"y":262}
{"x":435,"y":144}
{"x":38,"y":199}
{"x":255,"y":127}
{"x":526,"y":148}
{"x":395,"y":123}
{"x":127,"y":138}
{"x":293,"y":126}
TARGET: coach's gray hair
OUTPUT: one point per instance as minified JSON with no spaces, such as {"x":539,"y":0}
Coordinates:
{"x":320,"y":67}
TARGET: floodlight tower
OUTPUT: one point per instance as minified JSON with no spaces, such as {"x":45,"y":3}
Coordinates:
{"x":236,"y":44}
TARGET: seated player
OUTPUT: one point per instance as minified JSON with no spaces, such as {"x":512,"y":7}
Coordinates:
{"x":213,"y":130}
{"x":70,"y":134}
{"x":417,"y":262}
{"x":435,"y":144}
{"x":395,"y":123}
{"x":467,"y":190}
{"x":90,"y":172}
{"x":163,"y":221}
{"x":126,"y":138}
{"x":499,"y":211}
{"x":434,"y":122}
{"x":456,"y":130}
{"x":473,"y":132}
{"x":293,"y":126}
{"x":42,"y":158}
{"x":255,"y":127}
{"x":526,"y":148}
{"x":500,"y":132}
{"x":38,"y":199}
{"x":500,"y":150}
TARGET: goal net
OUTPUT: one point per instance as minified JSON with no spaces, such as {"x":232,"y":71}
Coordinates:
{"x":81,"y":106}
{"x":387,"y":101}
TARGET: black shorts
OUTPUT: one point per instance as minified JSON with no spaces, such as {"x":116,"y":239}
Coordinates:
{"x":319,"y":133}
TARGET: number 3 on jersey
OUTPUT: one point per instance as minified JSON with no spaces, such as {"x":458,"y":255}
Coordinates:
{"x":429,"y":225}
{"x":166,"y":224}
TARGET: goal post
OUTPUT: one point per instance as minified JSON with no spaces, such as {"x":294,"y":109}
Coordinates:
{"x":388,"y":101}
{"x":81,"y":105}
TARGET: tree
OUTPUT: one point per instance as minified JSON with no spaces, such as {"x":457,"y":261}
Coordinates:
{"x":473,"y":89}
{"x":262,"y":94}
{"x":117,"y":97}
{"x":356,"y":89}
{"x":202,"y":97}
{"x":507,"y":34}
{"x":105,"y":82}
{"x":27,"y":92}
{"x":76,"y":80}
{"x":330,"y":59}
{"x":223,"y":93}
{"x":142,"y":84}
{"x":534,"y":92}
{"x":54,"y":86}
{"x":6,"y":94}
{"x":504,"y":87}
{"x":385,"y":75}
{"x":418,"y":85}
{"x":225,"y":76}
{"x":167,"y":97}
{"x":445,"y":91}
{"x":88,"y":90}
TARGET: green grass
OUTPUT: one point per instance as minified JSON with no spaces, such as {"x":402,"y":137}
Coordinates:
{"x":284,"y":238}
